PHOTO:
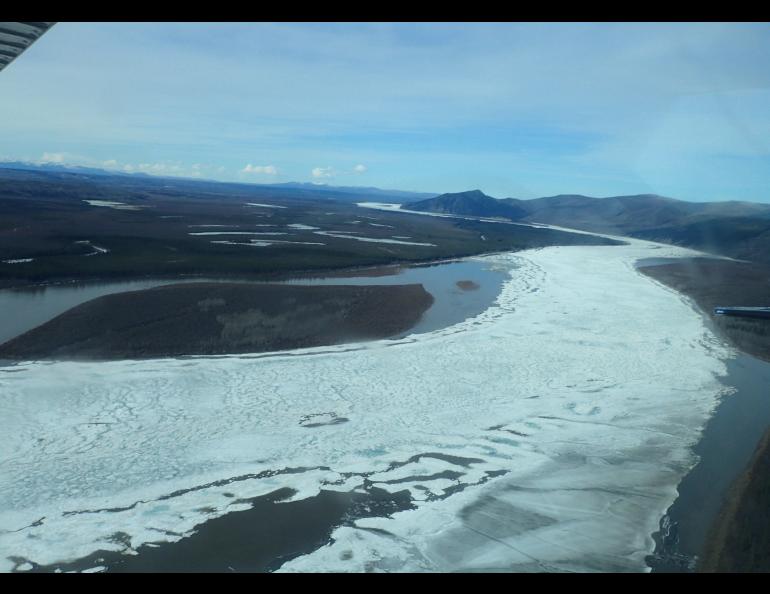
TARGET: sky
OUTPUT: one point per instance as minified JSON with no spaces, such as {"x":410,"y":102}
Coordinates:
{"x":516,"y":110}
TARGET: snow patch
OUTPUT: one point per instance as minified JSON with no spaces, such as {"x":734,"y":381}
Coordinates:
{"x":371,"y":239}
{"x":303,"y":227}
{"x":97,"y":249}
{"x":264,"y":205}
{"x":261,"y":243}
{"x":115,"y":205}
{"x":238,"y":233}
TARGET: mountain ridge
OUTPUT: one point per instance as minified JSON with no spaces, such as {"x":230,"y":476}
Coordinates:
{"x":732,"y":228}
{"x":472,"y":203}
{"x":305,"y":189}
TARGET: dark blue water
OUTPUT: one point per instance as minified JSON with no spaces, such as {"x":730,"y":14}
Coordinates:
{"x":725,"y":449}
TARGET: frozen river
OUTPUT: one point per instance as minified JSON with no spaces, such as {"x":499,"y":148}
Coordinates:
{"x":547,"y":433}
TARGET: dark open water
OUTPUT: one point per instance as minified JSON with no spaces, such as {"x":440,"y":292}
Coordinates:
{"x":725,"y":449}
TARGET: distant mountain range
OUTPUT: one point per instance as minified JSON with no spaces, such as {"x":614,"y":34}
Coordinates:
{"x":289,"y":189}
{"x":63,"y":168}
{"x":736,"y":229}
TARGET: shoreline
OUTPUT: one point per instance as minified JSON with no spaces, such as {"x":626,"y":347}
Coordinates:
{"x":722,"y":491}
{"x":710,"y":283}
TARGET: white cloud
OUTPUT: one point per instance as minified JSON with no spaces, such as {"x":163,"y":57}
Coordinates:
{"x":168,"y":168}
{"x":53,"y":158}
{"x":70,"y":159}
{"x":322,"y":172}
{"x":359,"y":168}
{"x":260,"y":169}
{"x":163,"y":168}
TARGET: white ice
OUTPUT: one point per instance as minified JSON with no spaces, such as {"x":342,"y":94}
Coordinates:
{"x":97,"y":249}
{"x":379,"y":205}
{"x":263,"y":243}
{"x":586,"y":385}
{"x":369,"y":239}
{"x":264,"y":205}
{"x":237,"y":233}
{"x":115,"y":205}
{"x":303,"y":227}
{"x":399,"y":208}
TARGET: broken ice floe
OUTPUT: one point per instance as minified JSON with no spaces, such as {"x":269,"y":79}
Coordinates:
{"x":547,"y":433}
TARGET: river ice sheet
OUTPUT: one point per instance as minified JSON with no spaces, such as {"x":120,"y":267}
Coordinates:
{"x":547,"y":433}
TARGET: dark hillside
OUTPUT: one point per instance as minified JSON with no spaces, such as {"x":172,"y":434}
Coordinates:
{"x":472,"y":203}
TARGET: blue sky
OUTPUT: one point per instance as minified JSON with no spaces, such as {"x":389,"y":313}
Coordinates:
{"x":519,"y":110}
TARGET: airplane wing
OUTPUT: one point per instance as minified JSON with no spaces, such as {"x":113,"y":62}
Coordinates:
{"x":16,"y":37}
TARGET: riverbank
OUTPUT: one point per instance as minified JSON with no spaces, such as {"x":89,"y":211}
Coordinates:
{"x":712,"y":283}
{"x":221,"y":318}
{"x":718,"y":522}
{"x":740,"y":538}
